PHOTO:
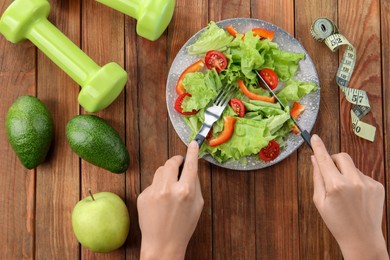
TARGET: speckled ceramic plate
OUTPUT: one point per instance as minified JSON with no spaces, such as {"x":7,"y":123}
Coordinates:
{"x":306,"y":72}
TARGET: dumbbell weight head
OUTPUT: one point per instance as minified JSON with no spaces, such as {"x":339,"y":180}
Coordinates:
{"x":103,"y":88}
{"x":154,"y":17}
{"x":19,"y":17}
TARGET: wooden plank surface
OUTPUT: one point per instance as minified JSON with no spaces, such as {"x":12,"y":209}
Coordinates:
{"x":364,"y":32}
{"x":57,"y":183}
{"x":133,"y":184}
{"x":263,"y":214}
{"x":17,"y":199}
{"x":315,"y":239}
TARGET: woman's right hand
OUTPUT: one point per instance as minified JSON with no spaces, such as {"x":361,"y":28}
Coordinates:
{"x":349,"y":202}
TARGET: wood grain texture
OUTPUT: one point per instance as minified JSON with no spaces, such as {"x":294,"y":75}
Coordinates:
{"x":57,"y":187}
{"x":276,"y":187}
{"x":153,"y":120}
{"x":315,"y":239}
{"x":103,"y":40}
{"x":133,"y":177}
{"x":200,"y":246}
{"x":363,"y":29}
{"x":17,"y":199}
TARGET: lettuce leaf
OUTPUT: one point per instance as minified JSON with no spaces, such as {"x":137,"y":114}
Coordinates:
{"x":213,"y":38}
{"x":247,"y":55}
{"x":249,"y":138}
{"x":202,"y":87}
{"x":294,"y":90}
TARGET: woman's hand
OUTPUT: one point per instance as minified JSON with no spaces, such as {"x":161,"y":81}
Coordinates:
{"x":169,"y":209}
{"x":349,"y":202}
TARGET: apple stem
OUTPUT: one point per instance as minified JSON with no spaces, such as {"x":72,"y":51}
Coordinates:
{"x":90,"y":193}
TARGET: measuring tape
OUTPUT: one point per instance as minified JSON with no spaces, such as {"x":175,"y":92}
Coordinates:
{"x":324,"y":30}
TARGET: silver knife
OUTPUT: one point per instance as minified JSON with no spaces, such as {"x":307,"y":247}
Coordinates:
{"x":305,"y":134}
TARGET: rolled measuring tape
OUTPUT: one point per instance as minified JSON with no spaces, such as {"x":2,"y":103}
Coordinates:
{"x":324,"y":30}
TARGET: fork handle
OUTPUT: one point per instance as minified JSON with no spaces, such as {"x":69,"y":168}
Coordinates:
{"x":199,"y":139}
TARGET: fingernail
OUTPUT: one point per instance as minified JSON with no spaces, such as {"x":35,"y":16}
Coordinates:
{"x":315,"y":138}
{"x":193,"y":144}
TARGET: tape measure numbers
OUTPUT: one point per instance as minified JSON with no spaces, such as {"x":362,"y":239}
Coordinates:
{"x":324,"y":30}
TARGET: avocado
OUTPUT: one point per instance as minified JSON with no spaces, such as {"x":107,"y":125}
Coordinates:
{"x":29,"y":127}
{"x":97,"y":142}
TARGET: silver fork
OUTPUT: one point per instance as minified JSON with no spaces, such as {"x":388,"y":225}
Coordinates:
{"x":214,"y":112}
{"x":211,"y":115}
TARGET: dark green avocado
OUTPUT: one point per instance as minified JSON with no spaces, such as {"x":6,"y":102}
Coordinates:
{"x":29,"y":127}
{"x":97,"y":142}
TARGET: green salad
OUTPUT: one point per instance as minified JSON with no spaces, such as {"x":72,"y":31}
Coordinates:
{"x":253,"y":123}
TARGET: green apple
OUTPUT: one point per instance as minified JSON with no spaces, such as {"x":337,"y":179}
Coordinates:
{"x":101,"y":222}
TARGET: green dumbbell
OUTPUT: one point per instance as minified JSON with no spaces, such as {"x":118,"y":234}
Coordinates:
{"x":27,"y":19}
{"x":153,"y":16}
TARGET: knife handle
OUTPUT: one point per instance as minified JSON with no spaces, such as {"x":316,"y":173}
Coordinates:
{"x":306,"y":136}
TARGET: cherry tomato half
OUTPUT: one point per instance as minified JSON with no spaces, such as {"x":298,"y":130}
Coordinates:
{"x":237,"y":106}
{"x":270,"y":77}
{"x":178,"y":103}
{"x":270,"y":152}
{"x":215,"y":59}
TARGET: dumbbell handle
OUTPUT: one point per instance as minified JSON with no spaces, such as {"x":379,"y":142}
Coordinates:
{"x":62,"y":51}
{"x":129,"y":7}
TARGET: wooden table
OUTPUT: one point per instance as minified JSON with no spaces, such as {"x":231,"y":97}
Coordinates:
{"x":263,"y":214}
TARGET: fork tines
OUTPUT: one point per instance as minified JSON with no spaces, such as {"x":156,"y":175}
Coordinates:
{"x":224,"y":95}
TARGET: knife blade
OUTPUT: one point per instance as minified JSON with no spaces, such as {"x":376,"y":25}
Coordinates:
{"x":304,"y":134}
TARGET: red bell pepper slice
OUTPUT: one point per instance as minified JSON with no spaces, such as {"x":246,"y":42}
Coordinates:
{"x":263,"y":33}
{"x":297,"y":109}
{"x":252,"y":95}
{"x":192,"y":68}
{"x":231,"y":30}
{"x":295,"y":129}
{"x":228,"y":129}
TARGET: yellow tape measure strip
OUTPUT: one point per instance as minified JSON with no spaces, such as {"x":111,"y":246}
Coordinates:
{"x":324,"y":30}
